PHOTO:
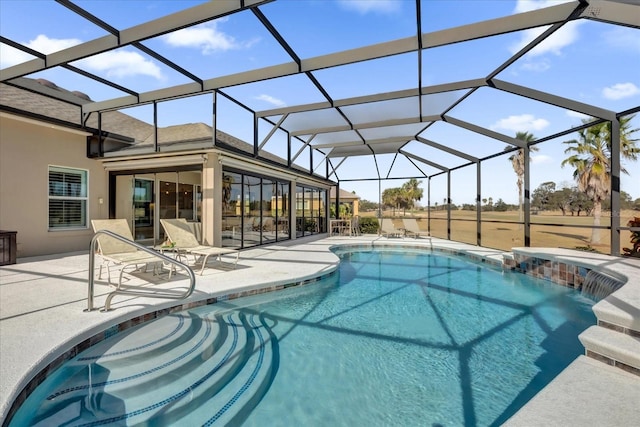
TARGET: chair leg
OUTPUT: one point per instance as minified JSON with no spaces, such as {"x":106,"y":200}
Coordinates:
{"x":204,"y":263}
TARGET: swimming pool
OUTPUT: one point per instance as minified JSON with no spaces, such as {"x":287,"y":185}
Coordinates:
{"x":396,"y":338}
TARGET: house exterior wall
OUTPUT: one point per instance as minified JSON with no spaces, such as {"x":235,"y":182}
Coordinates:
{"x":27,"y":149}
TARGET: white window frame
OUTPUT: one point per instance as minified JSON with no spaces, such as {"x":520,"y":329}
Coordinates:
{"x":85,"y":198}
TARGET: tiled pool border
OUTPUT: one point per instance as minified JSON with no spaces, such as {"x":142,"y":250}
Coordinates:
{"x":562,"y":273}
{"x":571,"y":275}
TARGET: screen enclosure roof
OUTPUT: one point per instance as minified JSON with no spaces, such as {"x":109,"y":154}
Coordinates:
{"x":398,"y":87}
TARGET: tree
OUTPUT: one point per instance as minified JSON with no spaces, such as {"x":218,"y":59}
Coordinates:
{"x":590,"y":156}
{"x":390,"y":198}
{"x":367,"y":205}
{"x":517,"y":161}
{"x":561,"y":199}
{"x":541,"y":197}
{"x":626,"y":202}
{"x":501,"y":206}
{"x":412,"y":191}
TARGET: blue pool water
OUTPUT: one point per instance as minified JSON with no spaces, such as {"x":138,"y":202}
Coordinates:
{"x":396,"y":338}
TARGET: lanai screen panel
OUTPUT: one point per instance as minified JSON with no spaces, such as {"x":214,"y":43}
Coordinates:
{"x":222,"y":46}
{"x":405,"y":108}
{"x":405,"y":131}
{"x":288,"y":37}
{"x":314,"y":28}
{"x":434,"y":154}
{"x":277,"y":93}
{"x":508,"y":113}
{"x":446,"y":14}
{"x":388,"y":74}
{"x":434,"y":104}
{"x":336,"y":138}
{"x":463,"y":140}
{"x":559,"y":66}
{"x":317,"y":119}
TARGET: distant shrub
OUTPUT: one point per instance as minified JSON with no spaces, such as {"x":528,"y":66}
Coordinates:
{"x":368,"y":225}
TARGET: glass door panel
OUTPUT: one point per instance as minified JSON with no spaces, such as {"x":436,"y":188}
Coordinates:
{"x":252,"y":223}
{"x":299,"y":211}
{"x":143,"y":208}
{"x":231,"y":209}
{"x":309,"y":219}
{"x":269,"y":226}
{"x":282,"y":207}
{"x":167,"y":200}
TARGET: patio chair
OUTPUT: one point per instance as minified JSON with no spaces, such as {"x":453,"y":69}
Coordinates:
{"x":185,"y":242}
{"x":115,"y":252}
{"x":387,"y":229}
{"x":412,"y":228}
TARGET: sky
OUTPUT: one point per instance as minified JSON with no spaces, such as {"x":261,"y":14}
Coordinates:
{"x":585,"y":61}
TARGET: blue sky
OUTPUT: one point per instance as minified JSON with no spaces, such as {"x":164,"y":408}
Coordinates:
{"x":585,"y":61}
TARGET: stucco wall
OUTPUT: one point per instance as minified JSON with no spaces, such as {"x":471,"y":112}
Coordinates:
{"x":26,"y":151}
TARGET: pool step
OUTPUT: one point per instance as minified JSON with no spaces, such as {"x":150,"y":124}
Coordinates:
{"x":612,"y":347}
{"x":186,"y":370}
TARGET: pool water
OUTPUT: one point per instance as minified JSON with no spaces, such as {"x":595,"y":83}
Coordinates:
{"x":396,"y":338}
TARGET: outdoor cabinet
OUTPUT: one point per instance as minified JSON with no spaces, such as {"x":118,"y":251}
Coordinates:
{"x":8,"y":247}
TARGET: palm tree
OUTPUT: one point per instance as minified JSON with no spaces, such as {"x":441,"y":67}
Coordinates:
{"x":412,"y":191}
{"x":392,"y":197}
{"x":517,"y":161}
{"x":591,"y":158}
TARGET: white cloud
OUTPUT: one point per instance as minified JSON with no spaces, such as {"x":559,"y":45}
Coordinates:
{"x":10,"y":56}
{"x":620,"y":90}
{"x":541,"y":159}
{"x":271,"y":100}
{"x":521,"y":123}
{"x":577,"y":115}
{"x":205,"y":37}
{"x":117,"y":63}
{"x":623,"y":38}
{"x":536,"y":66}
{"x":44,"y":44}
{"x":121,"y":63}
{"x":529,"y":5}
{"x":366,"y":6}
{"x":554,"y":44}
{"x":560,"y":39}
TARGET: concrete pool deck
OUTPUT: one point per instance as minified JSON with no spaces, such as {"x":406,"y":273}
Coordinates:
{"x":42,"y":301}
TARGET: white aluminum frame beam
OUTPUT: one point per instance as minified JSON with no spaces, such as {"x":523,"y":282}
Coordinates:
{"x":423,"y":160}
{"x":166,"y":24}
{"x":612,"y":12}
{"x":484,"y":131}
{"x":447,"y":149}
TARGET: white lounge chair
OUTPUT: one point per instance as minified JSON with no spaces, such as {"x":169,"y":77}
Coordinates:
{"x":114,"y":252}
{"x":412,"y":228}
{"x":184,"y":241}
{"x":387,"y":229}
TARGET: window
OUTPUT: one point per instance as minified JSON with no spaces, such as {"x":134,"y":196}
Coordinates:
{"x":67,"y":198}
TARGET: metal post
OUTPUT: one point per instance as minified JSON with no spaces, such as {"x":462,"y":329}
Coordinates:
{"x":478,"y":205}
{"x":615,"y":187}
{"x":527,"y":197}
{"x":429,"y":205}
{"x":448,"y":205}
